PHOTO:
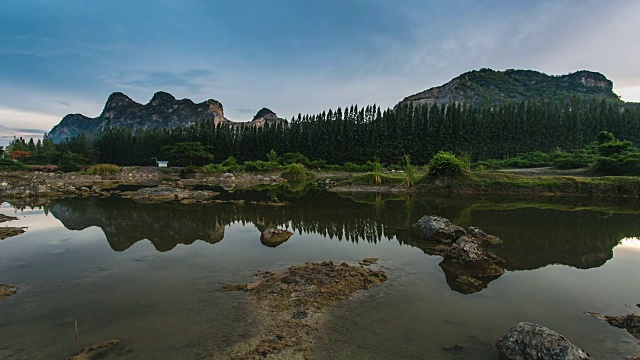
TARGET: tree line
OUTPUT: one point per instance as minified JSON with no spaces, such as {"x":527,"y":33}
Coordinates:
{"x":357,"y":135}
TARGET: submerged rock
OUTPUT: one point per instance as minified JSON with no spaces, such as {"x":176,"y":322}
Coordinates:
{"x":434,"y":228}
{"x":95,"y":351}
{"x":291,"y":304}
{"x":7,"y":232}
{"x":273,"y":237}
{"x":7,"y":290}
{"x":4,"y":218}
{"x":165,"y":193}
{"x":527,"y":341}
{"x":630,"y":322}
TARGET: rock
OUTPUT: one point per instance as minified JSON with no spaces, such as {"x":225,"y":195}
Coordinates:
{"x":7,"y":290}
{"x":7,"y":232}
{"x":630,"y":322}
{"x":165,"y":193}
{"x":273,"y":237}
{"x":308,"y":355}
{"x":481,"y":237}
{"x":527,"y":341}
{"x":290,"y":305}
{"x":468,"y":267}
{"x":94,"y":351}
{"x":4,"y":218}
{"x":228,"y":176}
{"x":368,"y":261}
{"x":434,"y":228}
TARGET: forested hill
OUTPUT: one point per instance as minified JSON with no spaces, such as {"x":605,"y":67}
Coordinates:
{"x":162,"y":111}
{"x":489,"y":87}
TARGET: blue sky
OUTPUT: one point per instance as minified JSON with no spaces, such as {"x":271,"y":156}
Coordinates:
{"x":67,"y":56}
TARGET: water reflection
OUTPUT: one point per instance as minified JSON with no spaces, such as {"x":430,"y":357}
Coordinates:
{"x":535,"y":234}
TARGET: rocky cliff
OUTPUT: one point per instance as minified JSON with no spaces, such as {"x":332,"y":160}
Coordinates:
{"x":486,"y":86}
{"x":162,"y":111}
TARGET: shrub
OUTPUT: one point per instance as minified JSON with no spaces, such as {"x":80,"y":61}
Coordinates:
{"x":318,"y":164}
{"x":294,"y":158}
{"x":104,"y":169}
{"x":189,"y":170}
{"x":296,"y":171}
{"x":6,"y":164}
{"x":447,"y":164}
{"x":211,"y":168}
{"x":618,"y":165}
{"x":613,"y":147}
{"x":71,"y":161}
{"x":349,"y":166}
{"x":260,"y":165}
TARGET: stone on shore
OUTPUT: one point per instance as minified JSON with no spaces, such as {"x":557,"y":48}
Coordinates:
{"x":528,"y":341}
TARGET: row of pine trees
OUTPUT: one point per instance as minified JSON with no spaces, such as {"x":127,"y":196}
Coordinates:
{"x":358,"y":134}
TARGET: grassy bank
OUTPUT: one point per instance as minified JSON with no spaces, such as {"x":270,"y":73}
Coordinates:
{"x":491,"y":182}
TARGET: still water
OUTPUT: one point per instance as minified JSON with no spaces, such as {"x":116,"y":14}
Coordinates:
{"x":151,"y":275}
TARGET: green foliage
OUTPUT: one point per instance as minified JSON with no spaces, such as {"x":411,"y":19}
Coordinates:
{"x":259,"y":165}
{"x":189,"y":170}
{"x":446,"y":164}
{"x":409,"y":175}
{"x":104,"y":169}
{"x":294,"y":158}
{"x":576,"y":160}
{"x":604,"y":136}
{"x":627,"y":164}
{"x":187,"y":154}
{"x":6,"y":164}
{"x":272,"y":156}
{"x":613,"y":147}
{"x":296,"y":172}
{"x":70,"y":161}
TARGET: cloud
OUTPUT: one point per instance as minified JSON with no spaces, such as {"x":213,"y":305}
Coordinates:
{"x":193,"y":80}
{"x":8,"y":133}
{"x":246,"y":111}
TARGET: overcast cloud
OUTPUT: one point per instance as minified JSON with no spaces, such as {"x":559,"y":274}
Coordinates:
{"x":67,"y":56}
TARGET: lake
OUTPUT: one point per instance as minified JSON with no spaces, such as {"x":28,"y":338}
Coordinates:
{"x":151,"y":275}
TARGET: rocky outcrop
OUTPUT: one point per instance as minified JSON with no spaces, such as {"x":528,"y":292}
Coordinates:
{"x":467,"y":265}
{"x":290,"y":305}
{"x":486,"y":86}
{"x":527,"y":341}
{"x":162,"y":111}
{"x":36,"y":187}
{"x":435,"y":228}
{"x":273,"y":237}
{"x":480,"y":237}
{"x":165,"y":193}
{"x":7,"y":290}
{"x":95,"y":351}
{"x":630,"y":322}
{"x":265,"y":116}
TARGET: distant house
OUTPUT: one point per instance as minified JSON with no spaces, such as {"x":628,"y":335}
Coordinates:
{"x":162,"y":163}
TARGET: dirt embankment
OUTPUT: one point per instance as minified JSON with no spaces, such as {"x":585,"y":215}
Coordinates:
{"x":291,"y":303}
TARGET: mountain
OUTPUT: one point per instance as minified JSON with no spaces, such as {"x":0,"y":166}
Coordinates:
{"x":162,"y":111}
{"x":486,"y":86}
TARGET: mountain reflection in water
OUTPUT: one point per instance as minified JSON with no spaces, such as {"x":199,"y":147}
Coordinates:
{"x":534,"y":235}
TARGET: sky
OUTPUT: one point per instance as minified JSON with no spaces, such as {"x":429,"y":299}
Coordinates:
{"x":292,"y":56}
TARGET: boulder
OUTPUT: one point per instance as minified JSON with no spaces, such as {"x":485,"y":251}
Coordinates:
{"x":273,"y":237}
{"x":481,"y":237}
{"x":434,"y":228}
{"x":527,"y":341}
{"x":468,"y":267}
